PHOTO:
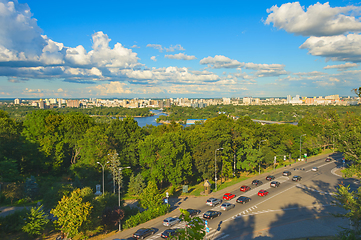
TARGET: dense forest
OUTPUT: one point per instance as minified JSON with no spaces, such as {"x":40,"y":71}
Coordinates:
{"x":282,"y":113}
{"x":19,"y":112}
{"x":58,"y":148}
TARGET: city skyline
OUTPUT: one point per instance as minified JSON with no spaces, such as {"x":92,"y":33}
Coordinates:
{"x":171,"y":50}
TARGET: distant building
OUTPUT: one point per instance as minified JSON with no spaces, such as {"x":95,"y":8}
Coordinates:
{"x":41,"y":104}
{"x":247,"y":100}
{"x":17,"y":101}
{"x":73,"y":103}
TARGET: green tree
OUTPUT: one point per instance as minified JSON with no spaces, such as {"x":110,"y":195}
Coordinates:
{"x":351,"y":202}
{"x":35,"y":222}
{"x":75,"y":125}
{"x":151,"y":198}
{"x":349,"y":142}
{"x":74,"y":212}
{"x":136,"y":184}
{"x":31,"y":187}
{"x":14,"y":191}
{"x":194,"y":227}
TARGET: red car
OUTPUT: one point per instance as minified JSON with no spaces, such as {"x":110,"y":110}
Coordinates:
{"x":228,"y":196}
{"x":262,"y":193}
{"x":244,"y":188}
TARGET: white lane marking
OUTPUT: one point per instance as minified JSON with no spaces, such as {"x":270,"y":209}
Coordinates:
{"x":321,"y":165}
{"x":222,"y":237}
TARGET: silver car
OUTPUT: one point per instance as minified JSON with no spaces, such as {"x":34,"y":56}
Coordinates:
{"x":170,"y":221}
{"x":213,"y":202}
{"x":227,"y":206}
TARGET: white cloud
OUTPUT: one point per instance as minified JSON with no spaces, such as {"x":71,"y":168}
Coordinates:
{"x":20,"y":36}
{"x":135,"y":46}
{"x":173,"y":48}
{"x":220,"y":61}
{"x":337,"y":48}
{"x":180,"y":56}
{"x":341,"y":67}
{"x":256,"y":66}
{"x":153,"y":58}
{"x":110,"y":88}
{"x":318,"y":20}
{"x":170,"y":49}
{"x":156,"y":46}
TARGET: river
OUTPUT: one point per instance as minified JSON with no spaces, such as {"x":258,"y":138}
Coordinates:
{"x":143,"y":121}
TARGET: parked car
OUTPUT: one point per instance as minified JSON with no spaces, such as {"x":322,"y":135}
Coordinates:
{"x":270,"y":178}
{"x":193,"y":212}
{"x":243,"y":199}
{"x":314,"y":169}
{"x":227,"y":206}
{"x":328,"y":159}
{"x":275,"y":184}
{"x":213,"y":202}
{"x":286,"y":173}
{"x":228,"y":196}
{"x":211,"y":214}
{"x":170,"y":221}
{"x":170,"y":233}
{"x":143,"y":232}
{"x":257,"y":183}
{"x":296,"y":178}
{"x":263,"y":193}
{"x":244,"y":188}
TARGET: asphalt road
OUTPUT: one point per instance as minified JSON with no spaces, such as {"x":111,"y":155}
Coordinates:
{"x":294,"y":209}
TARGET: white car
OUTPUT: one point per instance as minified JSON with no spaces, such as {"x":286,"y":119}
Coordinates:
{"x":314,"y":169}
{"x":170,"y":221}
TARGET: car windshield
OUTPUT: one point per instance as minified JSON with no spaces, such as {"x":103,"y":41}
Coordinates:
{"x":208,"y":213}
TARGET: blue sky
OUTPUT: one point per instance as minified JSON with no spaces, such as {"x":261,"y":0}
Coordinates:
{"x":163,"y":49}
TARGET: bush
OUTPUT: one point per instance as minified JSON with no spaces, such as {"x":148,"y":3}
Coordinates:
{"x":145,"y":216}
{"x":36,"y":222}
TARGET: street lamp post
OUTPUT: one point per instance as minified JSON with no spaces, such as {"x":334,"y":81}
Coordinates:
{"x":259,"y":162}
{"x":215,"y":167}
{"x":103,"y":173}
{"x":300,"y":143}
{"x":120,"y":172}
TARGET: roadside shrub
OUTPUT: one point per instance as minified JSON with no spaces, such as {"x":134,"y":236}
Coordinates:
{"x":35,"y":222}
{"x":145,"y":216}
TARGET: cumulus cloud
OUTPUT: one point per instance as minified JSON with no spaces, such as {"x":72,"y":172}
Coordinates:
{"x":338,"y":48}
{"x":180,"y":56}
{"x":153,"y":58}
{"x":220,"y":61}
{"x":318,"y":20}
{"x":341,"y":67}
{"x":20,"y":36}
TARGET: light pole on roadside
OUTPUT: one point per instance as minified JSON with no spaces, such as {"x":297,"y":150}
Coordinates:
{"x":103,"y":173}
{"x":215,"y":167}
{"x":259,"y":162}
{"x":120,"y":172}
{"x":301,"y":143}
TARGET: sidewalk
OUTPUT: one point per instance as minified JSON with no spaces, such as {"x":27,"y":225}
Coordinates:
{"x":193,"y":202}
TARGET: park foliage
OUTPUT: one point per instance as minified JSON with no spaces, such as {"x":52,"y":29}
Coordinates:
{"x":52,"y":156}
